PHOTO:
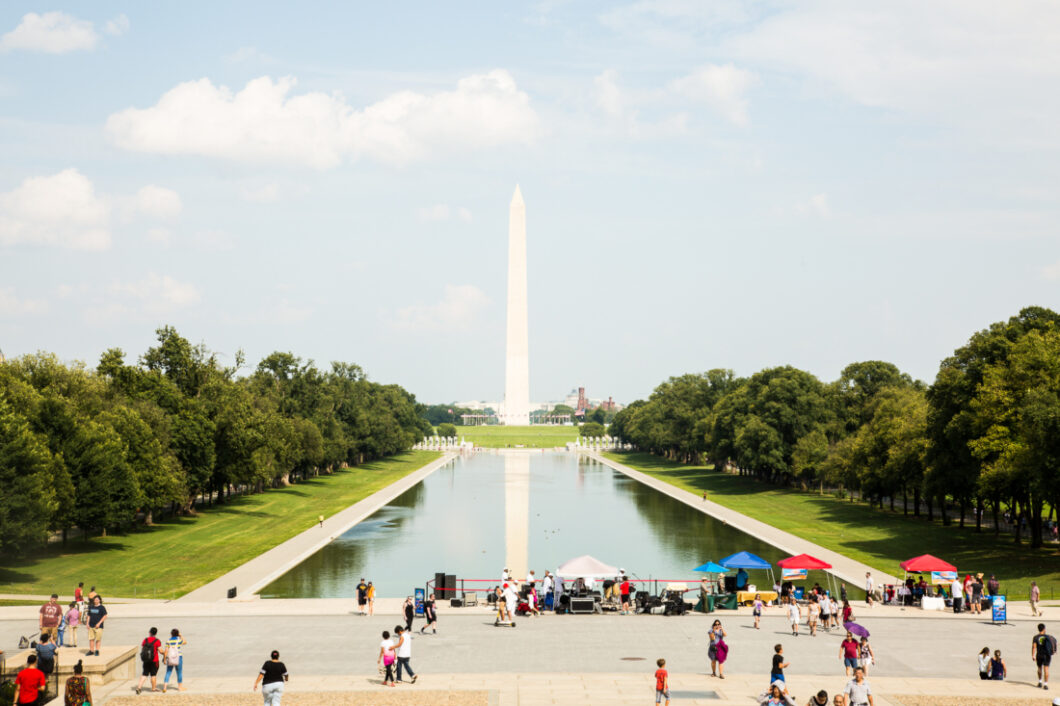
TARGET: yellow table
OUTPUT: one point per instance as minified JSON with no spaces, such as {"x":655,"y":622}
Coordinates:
{"x":748,"y":597}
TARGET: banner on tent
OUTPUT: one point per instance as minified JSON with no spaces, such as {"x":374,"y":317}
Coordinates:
{"x":943,"y":576}
{"x":793,"y":574}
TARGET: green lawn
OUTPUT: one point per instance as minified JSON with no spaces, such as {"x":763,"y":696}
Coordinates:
{"x":535,"y":436}
{"x":879,"y":538}
{"x":181,"y":554}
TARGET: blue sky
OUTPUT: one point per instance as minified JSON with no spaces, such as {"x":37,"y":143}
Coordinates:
{"x":735,"y":184}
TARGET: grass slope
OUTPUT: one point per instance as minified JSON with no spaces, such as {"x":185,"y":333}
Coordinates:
{"x":879,"y":538}
{"x":179,"y":555}
{"x":535,"y":436}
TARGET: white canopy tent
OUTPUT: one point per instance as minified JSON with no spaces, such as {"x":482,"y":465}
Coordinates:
{"x":585,"y":567}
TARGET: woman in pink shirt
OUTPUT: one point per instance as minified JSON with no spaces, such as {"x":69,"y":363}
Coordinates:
{"x":73,"y":619}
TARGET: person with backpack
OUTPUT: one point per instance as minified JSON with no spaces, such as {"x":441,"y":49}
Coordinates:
{"x":1043,"y":647}
{"x":174,"y":658}
{"x":149,"y":658}
{"x":46,"y":650}
{"x":29,"y":683}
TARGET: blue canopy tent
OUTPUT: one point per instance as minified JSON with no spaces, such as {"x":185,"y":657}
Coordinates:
{"x":747,"y":560}
{"x":711,"y":568}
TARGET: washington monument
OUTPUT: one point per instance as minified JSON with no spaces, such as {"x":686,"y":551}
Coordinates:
{"x":517,"y":362}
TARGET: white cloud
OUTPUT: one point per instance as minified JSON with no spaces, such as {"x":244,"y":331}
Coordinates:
{"x":265,"y":123}
{"x":11,"y":305}
{"x":56,"y":210}
{"x":157,"y":292}
{"x":52,"y":33}
{"x":1052,"y":272}
{"x":816,"y":205}
{"x":443,"y":212}
{"x":723,"y":88}
{"x":457,"y":311}
{"x":117,"y":26}
{"x":608,"y":94}
{"x":158,"y":202}
{"x":162,"y":236}
{"x":287,"y":313}
{"x":266,"y":193}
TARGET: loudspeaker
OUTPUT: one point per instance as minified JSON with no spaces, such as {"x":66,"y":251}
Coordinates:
{"x":439,"y":585}
{"x":450,"y":585}
{"x":456,"y":603}
{"x":581,"y":605}
{"x":232,"y":593}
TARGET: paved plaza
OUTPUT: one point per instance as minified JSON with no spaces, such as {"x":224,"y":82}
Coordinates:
{"x":562,"y":659}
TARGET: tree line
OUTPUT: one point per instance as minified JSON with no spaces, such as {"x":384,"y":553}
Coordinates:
{"x":983,"y":437}
{"x":104,"y":449}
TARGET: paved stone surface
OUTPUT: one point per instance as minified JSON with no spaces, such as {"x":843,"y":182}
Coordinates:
{"x":853,"y":572}
{"x":258,"y":572}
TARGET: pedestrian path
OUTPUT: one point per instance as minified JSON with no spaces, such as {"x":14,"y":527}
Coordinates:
{"x":508,"y":689}
{"x":257,"y":573}
{"x":844,"y":568}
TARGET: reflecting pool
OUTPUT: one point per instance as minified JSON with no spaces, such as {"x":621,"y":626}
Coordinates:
{"x":476,"y":514}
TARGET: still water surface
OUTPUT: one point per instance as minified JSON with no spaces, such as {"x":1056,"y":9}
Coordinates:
{"x":454,"y":521}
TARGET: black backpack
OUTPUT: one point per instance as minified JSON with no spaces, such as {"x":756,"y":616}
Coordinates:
{"x":147,"y":652}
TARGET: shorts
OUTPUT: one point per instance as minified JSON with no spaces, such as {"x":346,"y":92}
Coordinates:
{"x":661,"y":694}
{"x":851,"y":662}
{"x":1043,"y":660}
{"x":757,"y":612}
{"x":95,"y":634}
{"x":50,"y":631}
{"x":776,"y":677}
{"x":825,"y":616}
{"x":625,"y":598}
{"x":150,"y":669}
{"x":362,"y":601}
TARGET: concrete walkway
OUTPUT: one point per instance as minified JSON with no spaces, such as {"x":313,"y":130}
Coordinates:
{"x":257,"y":573}
{"x":844,"y":568}
{"x":514,"y":689}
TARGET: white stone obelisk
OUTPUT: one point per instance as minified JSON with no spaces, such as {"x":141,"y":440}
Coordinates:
{"x":517,"y":363}
{"x":516,"y":511}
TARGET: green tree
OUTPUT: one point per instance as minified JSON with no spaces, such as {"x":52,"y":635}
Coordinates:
{"x":27,"y":496}
{"x":446,"y":430}
{"x":592,"y":430}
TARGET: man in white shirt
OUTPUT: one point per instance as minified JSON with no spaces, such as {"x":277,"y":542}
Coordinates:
{"x":511,"y":598}
{"x":403,"y":652}
{"x":957,"y":590}
{"x":870,"y":588}
{"x":530,"y":578}
{"x":546,"y":588}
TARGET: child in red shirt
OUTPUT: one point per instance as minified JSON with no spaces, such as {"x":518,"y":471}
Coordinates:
{"x":662,"y":683}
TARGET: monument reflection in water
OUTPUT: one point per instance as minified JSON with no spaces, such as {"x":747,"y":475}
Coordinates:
{"x":457,"y":521}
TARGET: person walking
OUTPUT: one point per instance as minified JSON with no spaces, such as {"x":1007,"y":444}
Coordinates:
{"x":73,"y":621}
{"x":78,"y":690}
{"x":174,"y":657}
{"x":813,"y":610}
{"x":386,"y":658}
{"x":976,"y":599}
{"x":79,"y":597}
{"x":29,"y":683}
{"x":149,"y":649}
{"x":272,"y":677}
{"x":718,"y":651}
{"x":756,"y":611}
{"x":794,"y":615}
{"x":403,"y":652}
{"x":97,"y":615}
{"x":984,"y":663}
{"x":362,"y":596}
{"x":623,"y":592}
{"x":826,"y":612}
{"x":409,"y":609}
{"x":867,"y":656}
{"x":662,"y":682}
{"x":870,"y":588}
{"x":50,"y":615}
{"x":548,"y":587}
{"x":849,"y":650}
{"x":1036,"y":595}
{"x":858,"y":691}
{"x":1042,"y":648}
{"x":998,"y":670}
{"x":848,"y":612}
{"x":430,"y":614}
{"x":370,"y":595}
{"x":818,"y":699}
{"x":776,"y":672}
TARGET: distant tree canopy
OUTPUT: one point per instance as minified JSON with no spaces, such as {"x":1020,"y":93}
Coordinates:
{"x":446,"y":430}
{"x":987,"y":432}
{"x":437,"y":414}
{"x":103,"y":449}
{"x":592,"y":430}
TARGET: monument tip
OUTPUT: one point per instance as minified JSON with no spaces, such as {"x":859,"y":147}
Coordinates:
{"x":517,"y":196}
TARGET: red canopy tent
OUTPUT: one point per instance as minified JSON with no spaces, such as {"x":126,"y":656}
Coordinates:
{"x":926,"y":564}
{"x":803,"y":561}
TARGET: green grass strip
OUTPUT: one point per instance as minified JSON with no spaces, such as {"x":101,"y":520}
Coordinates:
{"x":880,"y":538}
{"x":180,"y":554}
{"x":535,"y":437}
